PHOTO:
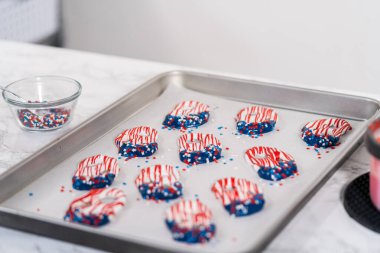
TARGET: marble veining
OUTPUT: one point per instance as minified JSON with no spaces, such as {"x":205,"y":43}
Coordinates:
{"x":321,"y":226}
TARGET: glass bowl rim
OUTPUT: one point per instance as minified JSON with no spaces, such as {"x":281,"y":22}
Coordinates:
{"x":44,"y":104}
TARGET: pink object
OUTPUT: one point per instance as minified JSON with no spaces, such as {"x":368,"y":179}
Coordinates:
{"x":374,"y":182}
{"x":373,"y":146}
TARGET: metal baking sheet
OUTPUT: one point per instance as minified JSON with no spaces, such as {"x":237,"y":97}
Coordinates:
{"x":36,"y":193}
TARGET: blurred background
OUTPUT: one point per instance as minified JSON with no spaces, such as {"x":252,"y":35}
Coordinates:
{"x":318,"y":43}
{"x":36,"y":21}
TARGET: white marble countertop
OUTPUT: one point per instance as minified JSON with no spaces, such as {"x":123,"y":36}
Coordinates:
{"x":321,"y":226}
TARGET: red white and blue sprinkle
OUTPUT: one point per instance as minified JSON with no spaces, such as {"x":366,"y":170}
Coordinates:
{"x":44,"y":118}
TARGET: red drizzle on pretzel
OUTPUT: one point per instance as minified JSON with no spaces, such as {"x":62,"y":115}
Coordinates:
{"x":189,"y":214}
{"x":256,"y":114}
{"x":197,"y":141}
{"x":97,"y":165}
{"x":233,"y":189}
{"x":189,"y":107}
{"x":162,"y":175}
{"x":325,"y":127}
{"x":266,"y":156}
{"x":137,"y":135}
{"x":93,"y":204}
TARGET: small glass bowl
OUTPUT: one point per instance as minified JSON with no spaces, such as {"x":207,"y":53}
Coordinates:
{"x":50,"y":105}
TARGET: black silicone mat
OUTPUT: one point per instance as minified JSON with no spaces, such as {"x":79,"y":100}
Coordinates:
{"x":358,"y":204}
